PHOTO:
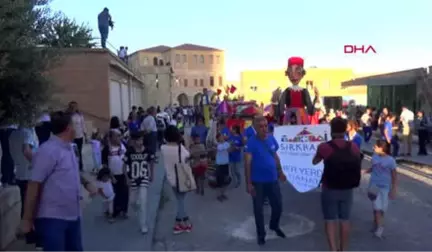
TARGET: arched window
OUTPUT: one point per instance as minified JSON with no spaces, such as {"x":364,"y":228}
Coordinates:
{"x":155,"y":61}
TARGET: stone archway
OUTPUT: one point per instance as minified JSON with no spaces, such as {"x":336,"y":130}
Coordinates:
{"x":183,"y":99}
{"x":197,"y":99}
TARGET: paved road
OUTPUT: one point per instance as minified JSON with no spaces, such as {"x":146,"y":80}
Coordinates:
{"x":230,"y":225}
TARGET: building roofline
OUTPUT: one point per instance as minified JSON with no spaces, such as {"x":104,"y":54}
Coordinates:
{"x":399,"y":74}
{"x":115,"y":61}
{"x":169,"y":48}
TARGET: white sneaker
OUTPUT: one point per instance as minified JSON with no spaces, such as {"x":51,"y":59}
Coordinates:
{"x":379,"y":232}
{"x":144,"y":230}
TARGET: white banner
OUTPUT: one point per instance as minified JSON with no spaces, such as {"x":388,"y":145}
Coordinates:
{"x":297,"y":148}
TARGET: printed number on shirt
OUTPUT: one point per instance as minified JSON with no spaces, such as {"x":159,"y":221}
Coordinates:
{"x":139,"y":170}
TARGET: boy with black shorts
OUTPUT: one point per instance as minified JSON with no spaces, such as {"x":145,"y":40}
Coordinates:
{"x":222,"y":165}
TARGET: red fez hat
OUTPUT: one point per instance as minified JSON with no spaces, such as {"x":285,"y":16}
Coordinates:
{"x":295,"y":61}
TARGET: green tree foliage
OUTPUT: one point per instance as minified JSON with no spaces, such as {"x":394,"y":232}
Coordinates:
{"x":23,"y":87}
{"x":67,"y":33}
{"x":30,"y":39}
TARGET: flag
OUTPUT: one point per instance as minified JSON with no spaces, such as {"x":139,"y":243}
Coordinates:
{"x":227,"y":88}
{"x":232,"y":89}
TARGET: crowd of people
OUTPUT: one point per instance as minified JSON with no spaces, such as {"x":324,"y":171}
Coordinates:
{"x":49,"y":156}
{"x":390,"y":127}
{"x":45,"y":161}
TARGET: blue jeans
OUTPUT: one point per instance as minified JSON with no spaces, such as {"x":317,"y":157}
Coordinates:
{"x":181,"y":210}
{"x":103,"y":30}
{"x":59,"y":235}
{"x":7,"y":164}
{"x":367,"y":131}
{"x":270,"y":190}
{"x":395,"y":146}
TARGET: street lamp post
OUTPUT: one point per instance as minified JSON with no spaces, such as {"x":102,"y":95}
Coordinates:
{"x":171,"y":74}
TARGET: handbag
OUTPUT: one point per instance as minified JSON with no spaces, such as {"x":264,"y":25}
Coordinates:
{"x":373,"y":192}
{"x":185,"y":181}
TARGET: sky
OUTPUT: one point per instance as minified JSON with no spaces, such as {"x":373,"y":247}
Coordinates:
{"x":261,"y":35}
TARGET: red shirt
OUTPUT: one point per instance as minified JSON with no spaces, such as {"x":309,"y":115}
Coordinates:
{"x":325,"y":150}
{"x":296,"y":99}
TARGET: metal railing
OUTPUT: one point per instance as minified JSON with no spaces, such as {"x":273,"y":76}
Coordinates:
{"x":110,"y":46}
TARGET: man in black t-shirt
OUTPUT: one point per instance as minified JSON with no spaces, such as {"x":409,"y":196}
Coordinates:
{"x":139,"y":163}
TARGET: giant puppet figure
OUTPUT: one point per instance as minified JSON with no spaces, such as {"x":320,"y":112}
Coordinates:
{"x":295,"y":100}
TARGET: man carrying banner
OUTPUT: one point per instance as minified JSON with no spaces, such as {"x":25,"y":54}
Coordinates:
{"x":262,"y":171}
{"x":295,"y":99}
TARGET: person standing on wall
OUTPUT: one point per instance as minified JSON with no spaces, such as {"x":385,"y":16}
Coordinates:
{"x":104,"y":22}
{"x":79,"y":128}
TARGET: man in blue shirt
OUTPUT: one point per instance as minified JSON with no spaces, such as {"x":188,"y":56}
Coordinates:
{"x":262,"y":171}
{"x":200,"y":129}
{"x":249,"y":132}
{"x":388,"y":134}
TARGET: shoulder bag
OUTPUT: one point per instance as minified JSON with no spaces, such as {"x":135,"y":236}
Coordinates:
{"x":185,"y":182}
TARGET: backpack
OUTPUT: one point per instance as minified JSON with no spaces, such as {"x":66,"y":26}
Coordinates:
{"x":342,"y":170}
{"x":160,"y":124}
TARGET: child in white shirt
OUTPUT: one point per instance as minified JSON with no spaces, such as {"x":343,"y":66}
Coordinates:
{"x":105,"y":181}
{"x":96,"y":151}
{"x":112,"y":158}
{"x":222,"y":165}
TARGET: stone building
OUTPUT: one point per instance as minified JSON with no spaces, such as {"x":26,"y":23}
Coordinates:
{"x":100,"y":82}
{"x":194,"y":67}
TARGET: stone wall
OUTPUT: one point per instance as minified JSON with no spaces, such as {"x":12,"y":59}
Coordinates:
{"x":10,"y":211}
